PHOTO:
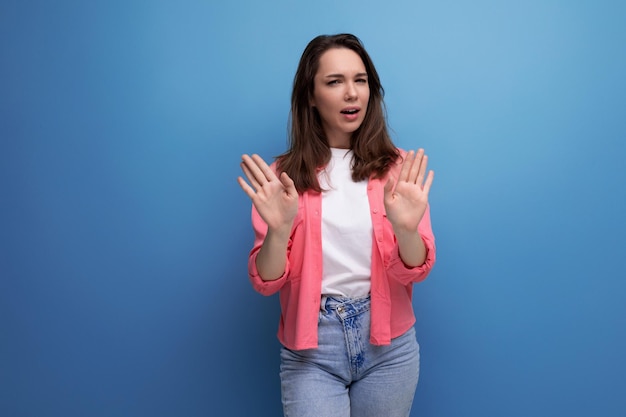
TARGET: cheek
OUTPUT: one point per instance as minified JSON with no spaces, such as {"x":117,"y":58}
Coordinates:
{"x":366,"y":101}
{"x":326,"y":102}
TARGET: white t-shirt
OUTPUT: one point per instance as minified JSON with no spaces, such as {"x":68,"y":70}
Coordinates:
{"x":346,"y":229}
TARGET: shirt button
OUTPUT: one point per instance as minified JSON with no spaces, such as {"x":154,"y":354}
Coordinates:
{"x":340,"y":309}
{"x":375,"y":211}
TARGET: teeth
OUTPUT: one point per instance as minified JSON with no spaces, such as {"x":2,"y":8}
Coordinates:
{"x":349,"y":111}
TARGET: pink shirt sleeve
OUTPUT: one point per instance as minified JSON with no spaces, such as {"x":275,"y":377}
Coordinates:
{"x":396,"y":268}
{"x":259,"y":285}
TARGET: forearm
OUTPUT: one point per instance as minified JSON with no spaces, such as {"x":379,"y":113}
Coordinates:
{"x":272,"y":257}
{"x":411,"y":247}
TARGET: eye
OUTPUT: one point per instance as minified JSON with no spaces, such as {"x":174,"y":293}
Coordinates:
{"x":361,"y":80}
{"x":333,"y":82}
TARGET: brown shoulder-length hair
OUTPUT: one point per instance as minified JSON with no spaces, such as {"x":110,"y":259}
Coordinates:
{"x":372,"y":147}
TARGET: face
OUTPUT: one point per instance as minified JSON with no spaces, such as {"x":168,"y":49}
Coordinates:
{"x":341,"y":93}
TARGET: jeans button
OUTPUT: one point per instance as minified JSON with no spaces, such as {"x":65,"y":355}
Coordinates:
{"x":340,"y":309}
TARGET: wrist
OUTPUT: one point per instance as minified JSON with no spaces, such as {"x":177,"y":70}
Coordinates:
{"x":411,"y":247}
{"x":403,"y":232}
{"x":280,"y":232}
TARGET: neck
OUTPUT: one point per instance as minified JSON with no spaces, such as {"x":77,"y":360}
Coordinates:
{"x":340,"y":141}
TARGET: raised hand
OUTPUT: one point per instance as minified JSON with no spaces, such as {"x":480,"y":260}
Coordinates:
{"x":275,"y":198}
{"x":406,"y":197}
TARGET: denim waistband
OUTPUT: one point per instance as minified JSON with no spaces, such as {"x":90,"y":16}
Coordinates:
{"x":345,"y":304}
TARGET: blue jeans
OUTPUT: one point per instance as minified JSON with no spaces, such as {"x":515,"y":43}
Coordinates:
{"x":346,"y":375}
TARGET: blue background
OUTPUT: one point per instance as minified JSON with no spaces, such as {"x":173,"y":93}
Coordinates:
{"x":124,"y":235}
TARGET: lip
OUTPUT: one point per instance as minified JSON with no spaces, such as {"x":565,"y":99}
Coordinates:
{"x":351,"y":116}
{"x":357,"y":108}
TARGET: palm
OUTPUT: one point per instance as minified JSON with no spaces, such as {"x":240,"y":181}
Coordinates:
{"x":407,"y":199}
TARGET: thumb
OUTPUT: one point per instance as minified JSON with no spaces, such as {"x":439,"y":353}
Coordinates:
{"x":389,"y":186}
{"x":288,"y":183}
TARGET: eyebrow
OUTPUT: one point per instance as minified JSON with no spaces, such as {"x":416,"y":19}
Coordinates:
{"x":360,"y":74}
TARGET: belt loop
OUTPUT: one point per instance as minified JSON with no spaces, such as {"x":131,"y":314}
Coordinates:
{"x":323,"y":304}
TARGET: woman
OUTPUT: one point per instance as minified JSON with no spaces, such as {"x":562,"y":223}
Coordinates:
{"x":342,"y":231}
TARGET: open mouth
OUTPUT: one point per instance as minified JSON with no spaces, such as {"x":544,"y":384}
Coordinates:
{"x":350,"y":111}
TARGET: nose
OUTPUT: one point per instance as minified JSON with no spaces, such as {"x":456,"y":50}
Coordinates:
{"x":351,"y":93}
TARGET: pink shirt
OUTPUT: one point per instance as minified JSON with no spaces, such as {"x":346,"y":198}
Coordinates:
{"x":300,"y":285}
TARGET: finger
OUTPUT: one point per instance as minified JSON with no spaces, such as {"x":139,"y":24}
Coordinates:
{"x":429,"y":181}
{"x":414,"y":175}
{"x":288,"y":183}
{"x":264,"y":167}
{"x":422,"y":170}
{"x":250,"y":176}
{"x":406,"y":166}
{"x":389,"y":185}
{"x":255,"y":170}
{"x":245,"y":187}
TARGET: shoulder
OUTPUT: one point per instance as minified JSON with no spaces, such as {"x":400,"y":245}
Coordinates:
{"x":397,"y":165}
{"x":274,"y":167}
{"x":402,"y":153}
